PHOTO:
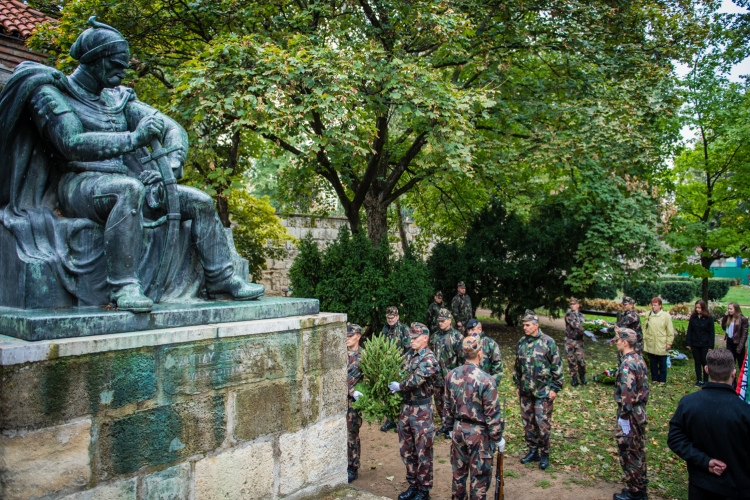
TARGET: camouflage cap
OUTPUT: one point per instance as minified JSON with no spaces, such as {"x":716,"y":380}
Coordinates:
{"x":353,"y":329}
{"x":573,"y":300}
{"x":531,"y":316}
{"x":626,"y":334}
{"x":472,"y":323}
{"x":461,"y":284}
{"x":439,"y":294}
{"x":444,"y":314}
{"x":418,"y":329}
{"x":627,"y":300}
{"x":471,"y":345}
{"x":391,"y":312}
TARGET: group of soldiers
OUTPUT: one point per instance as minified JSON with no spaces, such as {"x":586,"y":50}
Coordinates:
{"x":461,"y":371}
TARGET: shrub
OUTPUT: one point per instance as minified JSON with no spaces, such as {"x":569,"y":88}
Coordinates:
{"x":681,"y":310}
{"x":735,"y":282}
{"x":716,"y":310}
{"x":718,"y":288}
{"x":676,"y":292}
{"x":601,"y":305}
{"x":355,"y":277}
{"x":642,"y":292}
{"x":605,"y":290}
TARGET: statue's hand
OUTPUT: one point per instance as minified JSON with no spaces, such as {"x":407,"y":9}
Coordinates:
{"x":148,"y":177}
{"x":148,"y":128}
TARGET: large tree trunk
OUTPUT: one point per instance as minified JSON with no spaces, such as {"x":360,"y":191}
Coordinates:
{"x":402,"y":228}
{"x":706,"y":264}
{"x":377,"y":218}
{"x":222,"y":208}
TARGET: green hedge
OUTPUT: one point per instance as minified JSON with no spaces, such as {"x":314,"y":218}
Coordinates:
{"x":718,"y":288}
{"x":643,"y":292}
{"x":353,"y":276}
{"x":676,"y":292}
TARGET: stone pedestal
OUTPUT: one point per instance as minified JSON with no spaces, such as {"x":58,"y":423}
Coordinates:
{"x":243,"y":410}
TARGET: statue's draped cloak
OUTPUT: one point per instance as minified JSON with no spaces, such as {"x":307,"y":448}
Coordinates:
{"x":29,"y":207}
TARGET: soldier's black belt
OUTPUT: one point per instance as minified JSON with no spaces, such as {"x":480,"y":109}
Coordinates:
{"x":417,"y":401}
{"x":469,"y":421}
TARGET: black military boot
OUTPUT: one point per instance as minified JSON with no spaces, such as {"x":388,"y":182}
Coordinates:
{"x":409,"y":494}
{"x":531,"y":456}
{"x":574,"y":383}
{"x":353,"y":475}
{"x":583,"y":379}
{"x":543,"y":461}
{"x":423,"y":495}
{"x":628,"y":495}
{"x":388,"y":425}
{"x":444,"y":430}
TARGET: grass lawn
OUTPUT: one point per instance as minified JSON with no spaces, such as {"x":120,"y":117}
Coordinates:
{"x":584,"y":419}
{"x":739,"y":294}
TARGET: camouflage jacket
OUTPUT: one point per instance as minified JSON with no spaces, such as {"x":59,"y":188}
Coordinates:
{"x":492,"y":361}
{"x":538,"y":367}
{"x":631,"y":388}
{"x":432,"y":316}
{"x":631,"y":319}
{"x":574,"y":325}
{"x":353,"y":372}
{"x":461,"y":308}
{"x":421,"y":369}
{"x":400,"y":333}
{"x":447,"y":347}
{"x":471,"y":395}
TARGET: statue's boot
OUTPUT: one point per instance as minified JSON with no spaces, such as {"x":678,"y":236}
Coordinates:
{"x":131,"y":298}
{"x":235,"y":287}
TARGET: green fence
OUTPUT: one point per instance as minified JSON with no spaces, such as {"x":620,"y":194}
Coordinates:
{"x":730,"y":272}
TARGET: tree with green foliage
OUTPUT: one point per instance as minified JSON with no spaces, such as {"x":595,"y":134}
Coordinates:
{"x":710,"y":216}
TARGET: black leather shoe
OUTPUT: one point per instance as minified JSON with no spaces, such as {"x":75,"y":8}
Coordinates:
{"x":574,"y":383}
{"x":388,"y":425}
{"x":353,"y":475}
{"x":543,"y":461}
{"x":409,"y":494}
{"x":423,"y":495}
{"x":531,"y":456}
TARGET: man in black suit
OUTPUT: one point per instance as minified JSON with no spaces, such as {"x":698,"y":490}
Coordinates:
{"x":711,"y":431}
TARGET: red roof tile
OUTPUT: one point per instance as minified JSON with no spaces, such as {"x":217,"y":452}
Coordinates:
{"x":18,"y":19}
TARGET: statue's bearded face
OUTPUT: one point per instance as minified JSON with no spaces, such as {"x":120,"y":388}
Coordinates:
{"x":110,"y":71}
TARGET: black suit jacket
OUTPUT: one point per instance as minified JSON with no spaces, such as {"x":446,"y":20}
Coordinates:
{"x":714,"y":423}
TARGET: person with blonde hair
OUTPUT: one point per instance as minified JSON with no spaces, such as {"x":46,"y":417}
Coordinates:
{"x":734,"y":325}
{"x":658,"y":335}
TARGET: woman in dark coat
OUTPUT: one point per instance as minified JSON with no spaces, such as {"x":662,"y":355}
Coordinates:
{"x":735,"y":326}
{"x":700,"y":338}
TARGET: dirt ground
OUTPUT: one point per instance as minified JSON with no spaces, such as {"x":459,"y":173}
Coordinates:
{"x":383,"y":473}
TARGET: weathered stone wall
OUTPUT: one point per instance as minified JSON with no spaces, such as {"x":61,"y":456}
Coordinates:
{"x":323,"y":230}
{"x":237,"y":410}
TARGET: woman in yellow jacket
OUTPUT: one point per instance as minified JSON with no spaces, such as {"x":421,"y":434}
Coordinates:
{"x":658,"y":334}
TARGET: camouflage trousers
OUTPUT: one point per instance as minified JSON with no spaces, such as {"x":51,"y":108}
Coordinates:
{"x":576,"y":357}
{"x":536,"y":414}
{"x":353,"y":446}
{"x":439,"y":400}
{"x":632,"y":452}
{"x":470,"y":452}
{"x":416,"y":432}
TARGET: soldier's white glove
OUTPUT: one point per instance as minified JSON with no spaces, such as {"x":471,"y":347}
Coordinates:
{"x":501,"y":446}
{"x":356,"y":395}
{"x":604,"y":330}
{"x":394,"y":387}
{"x":624,"y":425}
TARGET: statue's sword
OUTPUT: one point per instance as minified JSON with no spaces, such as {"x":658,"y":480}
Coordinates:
{"x":158,"y":155}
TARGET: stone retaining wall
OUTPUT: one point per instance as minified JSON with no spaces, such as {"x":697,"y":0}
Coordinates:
{"x":236,"y":410}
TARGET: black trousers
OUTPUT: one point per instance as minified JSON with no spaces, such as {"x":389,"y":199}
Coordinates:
{"x":695,"y":493}
{"x":699,"y":358}
{"x":658,"y":366}
{"x":738,"y":358}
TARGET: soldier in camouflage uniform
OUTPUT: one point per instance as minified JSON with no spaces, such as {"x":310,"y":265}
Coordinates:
{"x":395,"y":330}
{"x":632,"y":320}
{"x":416,"y":430}
{"x":446,"y":345}
{"x":574,"y":343}
{"x":538,"y":377}
{"x":473,"y":413}
{"x":433,"y":312}
{"x":631,"y":396}
{"x":461,"y":307}
{"x":492,"y":360}
{"x":353,"y":418}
